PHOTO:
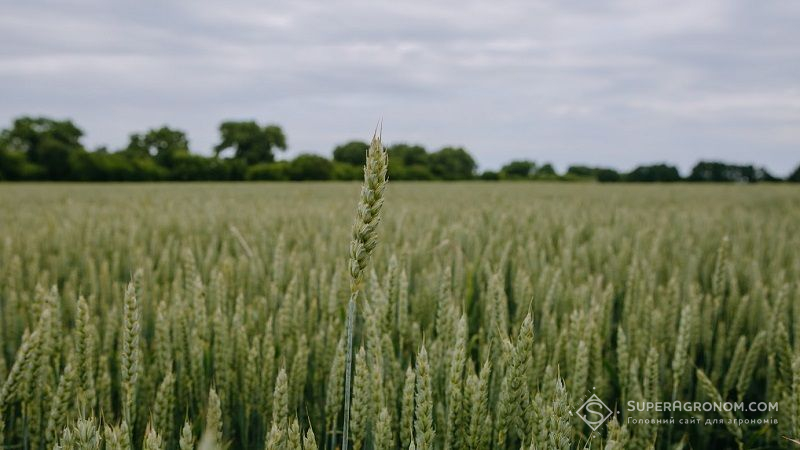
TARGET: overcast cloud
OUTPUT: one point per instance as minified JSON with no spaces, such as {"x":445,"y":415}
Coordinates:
{"x":599,"y":82}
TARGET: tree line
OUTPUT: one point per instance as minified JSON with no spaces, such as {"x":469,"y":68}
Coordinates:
{"x":41,"y":148}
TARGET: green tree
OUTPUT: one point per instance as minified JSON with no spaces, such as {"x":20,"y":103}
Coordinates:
{"x":45,"y":142}
{"x":347,"y":172}
{"x":413,"y":172}
{"x":310,"y":167}
{"x":452,"y":163}
{"x":608,"y":175}
{"x":661,"y":173}
{"x":137,"y":147}
{"x":490,"y":175}
{"x":353,"y":152}
{"x":546,"y":171}
{"x":188,"y":167}
{"x":103,"y":166}
{"x":721,"y":172}
{"x":14,"y":166}
{"x":408,"y":155}
{"x":795,"y":176}
{"x":518,"y":169}
{"x":250,"y":141}
{"x":277,"y":171}
{"x":409,"y":162}
{"x":582,"y":171}
{"x":165,"y":145}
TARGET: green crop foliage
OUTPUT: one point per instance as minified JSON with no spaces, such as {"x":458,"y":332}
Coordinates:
{"x":183,"y":316}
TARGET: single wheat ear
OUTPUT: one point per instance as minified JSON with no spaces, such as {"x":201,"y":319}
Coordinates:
{"x":364,"y":236}
{"x":362,"y":244}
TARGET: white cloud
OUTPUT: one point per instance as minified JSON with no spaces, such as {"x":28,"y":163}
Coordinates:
{"x":615,"y":82}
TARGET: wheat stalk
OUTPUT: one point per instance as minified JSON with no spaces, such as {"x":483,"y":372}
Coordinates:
{"x":186,"y":441}
{"x":152,"y":439}
{"x":363,"y":242}
{"x":423,"y":423}
{"x":130,"y":360}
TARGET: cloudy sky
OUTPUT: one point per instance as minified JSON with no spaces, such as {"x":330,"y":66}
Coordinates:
{"x":600,"y":82}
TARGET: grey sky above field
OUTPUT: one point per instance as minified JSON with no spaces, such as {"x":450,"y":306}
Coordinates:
{"x":615,"y":83}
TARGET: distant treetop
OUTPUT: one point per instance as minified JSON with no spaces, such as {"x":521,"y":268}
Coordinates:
{"x":353,"y":152}
{"x":251,"y":142}
{"x":41,"y":148}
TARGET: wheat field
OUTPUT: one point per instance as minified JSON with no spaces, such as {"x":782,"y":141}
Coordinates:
{"x":178,"y":316}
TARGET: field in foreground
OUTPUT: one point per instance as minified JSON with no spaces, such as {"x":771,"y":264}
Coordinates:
{"x":491,"y":313}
